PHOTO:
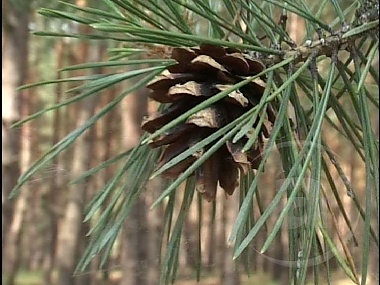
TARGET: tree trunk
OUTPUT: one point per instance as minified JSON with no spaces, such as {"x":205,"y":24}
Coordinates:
{"x":229,"y":273}
{"x":14,"y":67}
{"x":209,"y":232}
{"x":190,"y":237}
{"x":134,"y":233}
{"x":135,"y":254}
{"x":52,"y":194}
{"x":70,"y":230}
{"x":154,"y":219}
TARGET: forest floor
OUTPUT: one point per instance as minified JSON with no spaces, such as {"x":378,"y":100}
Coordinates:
{"x":35,"y":278}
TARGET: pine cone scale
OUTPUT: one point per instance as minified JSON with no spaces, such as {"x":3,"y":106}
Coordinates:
{"x":199,"y":74}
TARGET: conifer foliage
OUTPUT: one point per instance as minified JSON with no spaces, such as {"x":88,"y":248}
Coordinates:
{"x":225,"y":92}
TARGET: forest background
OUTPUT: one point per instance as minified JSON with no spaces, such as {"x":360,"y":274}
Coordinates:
{"x":43,"y":235}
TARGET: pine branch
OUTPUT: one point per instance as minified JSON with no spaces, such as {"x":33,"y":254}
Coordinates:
{"x":337,"y":41}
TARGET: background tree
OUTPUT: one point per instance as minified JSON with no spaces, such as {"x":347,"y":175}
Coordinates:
{"x":314,"y":96}
{"x":15,"y":21}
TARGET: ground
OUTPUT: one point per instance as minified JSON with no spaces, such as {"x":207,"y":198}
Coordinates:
{"x":35,"y":278}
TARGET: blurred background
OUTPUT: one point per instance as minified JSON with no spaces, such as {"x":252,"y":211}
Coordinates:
{"x":43,"y":234}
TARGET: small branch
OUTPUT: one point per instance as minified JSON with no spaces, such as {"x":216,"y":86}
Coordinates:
{"x":325,"y":46}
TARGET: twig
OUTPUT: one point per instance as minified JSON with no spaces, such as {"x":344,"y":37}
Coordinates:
{"x":325,"y":46}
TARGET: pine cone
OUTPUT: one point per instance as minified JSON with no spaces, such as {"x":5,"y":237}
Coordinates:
{"x":200,"y":73}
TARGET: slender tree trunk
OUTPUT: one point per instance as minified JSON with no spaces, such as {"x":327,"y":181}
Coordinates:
{"x":134,"y":234}
{"x":182,"y":259}
{"x":135,"y":252}
{"x":33,"y":239}
{"x":14,"y":42}
{"x":85,"y":278}
{"x":155,"y":217}
{"x":229,"y":273}
{"x":14,"y":67}
{"x":210,"y":236}
{"x":190,"y":237}
{"x":105,"y":135}
{"x":220,"y":233}
{"x":31,"y":141}
{"x":53,"y":191}
{"x":71,"y":227}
